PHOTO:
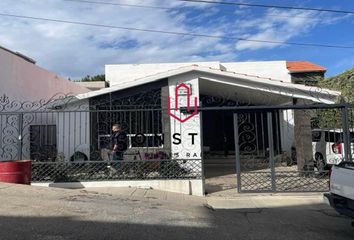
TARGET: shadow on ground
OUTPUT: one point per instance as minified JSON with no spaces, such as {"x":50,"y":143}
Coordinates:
{"x":300,"y":222}
{"x":219,"y":178}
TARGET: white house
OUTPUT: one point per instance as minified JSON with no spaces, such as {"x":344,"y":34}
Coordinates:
{"x":253,"y":83}
{"x":143,"y":98}
{"x":249,"y":83}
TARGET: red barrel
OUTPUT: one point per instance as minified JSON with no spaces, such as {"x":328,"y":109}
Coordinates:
{"x":16,"y":171}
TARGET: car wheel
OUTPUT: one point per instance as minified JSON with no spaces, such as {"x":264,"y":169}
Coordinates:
{"x":78,"y":157}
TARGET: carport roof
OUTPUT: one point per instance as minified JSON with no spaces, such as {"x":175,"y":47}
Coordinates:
{"x":302,"y":91}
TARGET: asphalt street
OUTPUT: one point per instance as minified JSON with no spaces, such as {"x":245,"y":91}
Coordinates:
{"x":36,"y":213}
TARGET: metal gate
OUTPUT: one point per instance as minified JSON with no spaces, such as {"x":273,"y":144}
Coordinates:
{"x":277,"y":154}
{"x":10,"y":136}
{"x":254,"y":150}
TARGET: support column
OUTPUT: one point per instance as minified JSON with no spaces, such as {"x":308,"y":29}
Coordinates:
{"x":166,"y":122}
{"x":303,"y":140}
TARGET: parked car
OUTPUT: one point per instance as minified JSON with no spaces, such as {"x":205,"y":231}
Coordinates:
{"x":341,"y":195}
{"x":328,"y":147}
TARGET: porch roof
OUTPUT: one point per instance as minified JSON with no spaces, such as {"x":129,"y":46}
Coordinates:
{"x":276,"y":86}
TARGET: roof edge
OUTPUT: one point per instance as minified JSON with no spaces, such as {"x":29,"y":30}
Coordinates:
{"x":18,"y":54}
{"x":184,"y":70}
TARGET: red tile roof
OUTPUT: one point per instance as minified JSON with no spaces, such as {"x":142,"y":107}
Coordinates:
{"x":303,"y":66}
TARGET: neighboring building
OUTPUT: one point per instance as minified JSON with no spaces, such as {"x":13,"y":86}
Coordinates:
{"x":22,"y":80}
{"x":94,"y":85}
{"x":26,"y":88}
{"x":303,"y":72}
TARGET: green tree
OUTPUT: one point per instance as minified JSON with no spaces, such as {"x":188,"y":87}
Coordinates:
{"x":96,"y":78}
{"x":343,"y":83}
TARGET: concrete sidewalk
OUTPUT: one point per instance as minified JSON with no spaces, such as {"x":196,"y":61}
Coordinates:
{"x":227,"y":201}
{"x":237,"y":201}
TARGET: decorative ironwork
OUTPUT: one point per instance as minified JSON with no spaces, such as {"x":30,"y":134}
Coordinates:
{"x":4,"y":99}
{"x":247,"y":135}
{"x":280,"y":169}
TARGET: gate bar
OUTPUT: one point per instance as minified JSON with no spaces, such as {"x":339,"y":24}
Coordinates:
{"x":346,"y":140}
{"x":271,"y":149}
{"x":20,"y":136}
{"x":237,"y":153}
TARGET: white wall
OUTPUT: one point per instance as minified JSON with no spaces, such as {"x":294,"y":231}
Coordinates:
{"x":185,"y":150}
{"x":286,"y":118}
{"x":275,"y":70}
{"x":189,"y":187}
{"x":268,"y":69}
{"x":73,"y":130}
{"x":122,"y":73}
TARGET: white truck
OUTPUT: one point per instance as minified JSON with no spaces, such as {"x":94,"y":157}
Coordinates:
{"x":341,"y":195}
{"x":328,"y":147}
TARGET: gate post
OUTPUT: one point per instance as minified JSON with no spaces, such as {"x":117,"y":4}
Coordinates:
{"x":271,"y":149}
{"x":346,"y":134}
{"x":202,"y":152}
{"x":20,"y":133}
{"x":237,"y":153}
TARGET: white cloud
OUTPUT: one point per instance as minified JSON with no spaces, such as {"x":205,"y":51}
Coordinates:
{"x":75,"y":51}
{"x":279,"y":26}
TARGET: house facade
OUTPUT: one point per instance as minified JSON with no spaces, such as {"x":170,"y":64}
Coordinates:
{"x":165,"y":107}
{"x":213,"y":84}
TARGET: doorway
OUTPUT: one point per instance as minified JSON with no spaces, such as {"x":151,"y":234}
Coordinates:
{"x":238,"y":143}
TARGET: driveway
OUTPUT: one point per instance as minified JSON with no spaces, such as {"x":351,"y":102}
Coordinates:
{"x":126,"y":213}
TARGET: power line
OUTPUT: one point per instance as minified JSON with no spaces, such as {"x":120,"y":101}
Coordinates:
{"x":165,"y":8}
{"x":121,"y":4}
{"x":177,"y":33}
{"x":269,"y":6}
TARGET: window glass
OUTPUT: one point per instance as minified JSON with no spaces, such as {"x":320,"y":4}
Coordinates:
{"x":316,"y":136}
{"x":352,"y":137}
{"x":333,"y":137}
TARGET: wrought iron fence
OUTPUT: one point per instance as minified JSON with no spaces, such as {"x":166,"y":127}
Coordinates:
{"x":296,"y":154}
{"x":284,"y":181}
{"x":70,"y":140}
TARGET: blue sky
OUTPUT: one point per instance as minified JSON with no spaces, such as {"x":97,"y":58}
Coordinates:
{"x":75,"y":51}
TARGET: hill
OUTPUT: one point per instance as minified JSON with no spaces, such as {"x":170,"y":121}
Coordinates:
{"x":343,"y":82}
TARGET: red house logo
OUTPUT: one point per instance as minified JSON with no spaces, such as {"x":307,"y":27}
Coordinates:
{"x":186,"y":89}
